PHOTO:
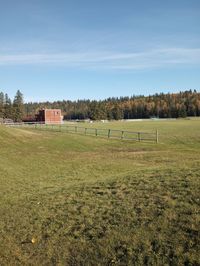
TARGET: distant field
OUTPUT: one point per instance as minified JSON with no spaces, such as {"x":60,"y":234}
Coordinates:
{"x":68,"y":199}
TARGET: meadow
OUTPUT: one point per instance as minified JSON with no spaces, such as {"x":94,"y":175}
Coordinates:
{"x":69,"y":199}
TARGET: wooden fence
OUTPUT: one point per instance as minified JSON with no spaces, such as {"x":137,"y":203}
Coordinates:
{"x":98,"y":132}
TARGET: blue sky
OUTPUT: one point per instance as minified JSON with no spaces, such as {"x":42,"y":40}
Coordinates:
{"x":54,"y":50}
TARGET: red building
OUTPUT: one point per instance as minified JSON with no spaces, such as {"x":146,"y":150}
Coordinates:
{"x":50,"y":116}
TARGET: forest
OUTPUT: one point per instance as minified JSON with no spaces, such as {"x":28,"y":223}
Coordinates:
{"x":170,"y":105}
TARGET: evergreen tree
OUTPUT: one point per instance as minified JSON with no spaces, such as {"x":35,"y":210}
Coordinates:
{"x":18,"y":108}
{"x":182,"y":111}
{"x":8,"y":107}
{"x":117,"y":112}
{"x":1,"y":105}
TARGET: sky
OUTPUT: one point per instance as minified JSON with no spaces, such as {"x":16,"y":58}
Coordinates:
{"x":55,"y":50}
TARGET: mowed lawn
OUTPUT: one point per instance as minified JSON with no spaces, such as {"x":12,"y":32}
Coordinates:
{"x":68,"y":199}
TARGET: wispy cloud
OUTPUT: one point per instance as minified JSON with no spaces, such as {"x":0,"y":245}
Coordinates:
{"x":108,"y":60}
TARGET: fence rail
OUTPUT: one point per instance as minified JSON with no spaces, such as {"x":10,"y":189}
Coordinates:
{"x":98,"y":132}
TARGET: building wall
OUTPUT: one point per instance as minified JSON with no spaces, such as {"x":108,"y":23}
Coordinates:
{"x":40,"y":117}
{"x":53,"y":116}
{"x":50,"y":116}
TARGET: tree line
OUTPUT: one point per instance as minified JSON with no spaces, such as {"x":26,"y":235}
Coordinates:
{"x":170,"y":105}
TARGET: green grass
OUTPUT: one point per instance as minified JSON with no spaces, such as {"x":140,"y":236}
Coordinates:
{"x":94,"y":201}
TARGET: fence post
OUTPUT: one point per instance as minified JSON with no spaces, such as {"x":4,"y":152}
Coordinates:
{"x":156,"y":136}
{"x":139,"y":136}
{"x":76,"y":129}
{"x":109,"y":133}
{"x":122,"y":136}
{"x":85,"y":130}
{"x":96,"y":132}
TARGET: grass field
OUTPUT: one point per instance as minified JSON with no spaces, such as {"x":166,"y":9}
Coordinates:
{"x":68,"y":199}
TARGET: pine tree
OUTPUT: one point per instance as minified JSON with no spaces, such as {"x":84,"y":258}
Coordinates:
{"x":182,"y":111}
{"x":8,"y":107}
{"x":1,"y":105}
{"x":18,"y":108}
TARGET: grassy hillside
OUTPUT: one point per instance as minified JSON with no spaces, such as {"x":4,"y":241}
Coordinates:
{"x":78,"y":200}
